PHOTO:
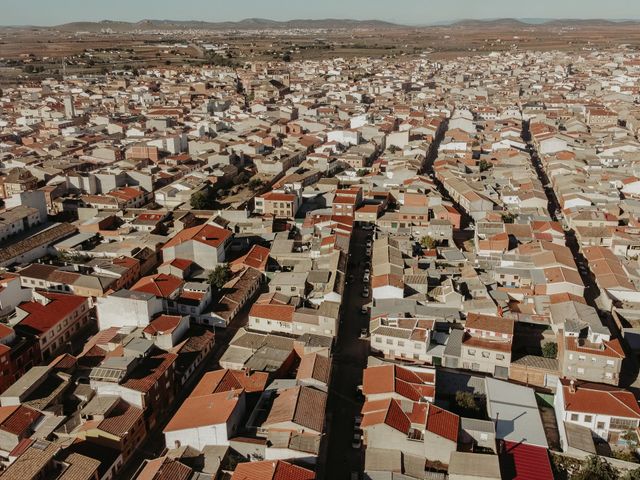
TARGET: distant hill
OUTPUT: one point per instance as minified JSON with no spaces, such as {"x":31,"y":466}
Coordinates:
{"x":495,"y":23}
{"x":247,"y":24}
{"x":330,"y":24}
{"x":541,"y":22}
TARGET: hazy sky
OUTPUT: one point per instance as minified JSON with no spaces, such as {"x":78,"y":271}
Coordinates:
{"x":51,"y":12}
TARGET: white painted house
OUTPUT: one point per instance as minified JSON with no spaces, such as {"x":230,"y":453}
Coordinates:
{"x":609,"y":412}
{"x":206,"y":420}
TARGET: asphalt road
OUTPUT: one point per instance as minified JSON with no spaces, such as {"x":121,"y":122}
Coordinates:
{"x":348,"y":363}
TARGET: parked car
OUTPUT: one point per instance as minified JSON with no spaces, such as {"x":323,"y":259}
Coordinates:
{"x":357,"y":441}
{"x":365,"y":292}
{"x":358,"y":421}
{"x":366,"y":277}
{"x":364,"y":333}
{"x":364,"y":310}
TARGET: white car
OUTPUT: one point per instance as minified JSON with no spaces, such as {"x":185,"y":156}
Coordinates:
{"x":365,"y":292}
{"x":366,"y":277}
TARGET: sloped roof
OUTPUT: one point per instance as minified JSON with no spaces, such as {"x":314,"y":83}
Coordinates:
{"x":600,"y":399}
{"x":271,"y":470}
{"x":207,"y":234}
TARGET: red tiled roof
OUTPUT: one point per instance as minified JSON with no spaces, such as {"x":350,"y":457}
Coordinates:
{"x":600,"y":399}
{"x":225,"y":380}
{"x":520,"y":461}
{"x":386,"y":411}
{"x":256,"y":258}
{"x":214,"y":409}
{"x":393,"y":378}
{"x":612,"y":348}
{"x":279,"y":197}
{"x":121,"y":420}
{"x":161,"y":285}
{"x":41,"y":317}
{"x":271,"y":470}
{"x":281,"y":313}
{"x":207,"y":234}
{"x":489,"y":323}
{"x":443,"y":423}
{"x":18,"y":419}
{"x":154,"y":366}
{"x":163,"y":324}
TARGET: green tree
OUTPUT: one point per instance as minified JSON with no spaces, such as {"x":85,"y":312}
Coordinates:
{"x":362,"y":172}
{"x":428,"y":243}
{"x":508,"y":217}
{"x":484,"y":165}
{"x":219,"y":276}
{"x":202,"y":201}
{"x":596,"y":468}
{"x":255,"y":184}
{"x":550,"y":350}
{"x":466,"y":402}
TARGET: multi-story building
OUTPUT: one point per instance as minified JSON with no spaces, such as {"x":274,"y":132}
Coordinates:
{"x":280,"y":205}
{"x":54,"y":319}
{"x":486,"y":344}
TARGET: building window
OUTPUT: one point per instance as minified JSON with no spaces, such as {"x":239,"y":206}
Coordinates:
{"x":389,"y":341}
{"x":600,"y":425}
{"x":588,"y":418}
{"x":574,"y":417}
{"x":499,"y":356}
{"x":471,"y":352}
{"x":400,"y":343}
{"x":622,"y":424}
{"x":486,"y":354}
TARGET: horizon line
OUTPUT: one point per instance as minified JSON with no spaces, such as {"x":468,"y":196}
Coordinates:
{"x":444,"y":22}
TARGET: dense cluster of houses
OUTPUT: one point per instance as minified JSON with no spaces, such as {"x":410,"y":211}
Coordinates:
{"x":183,"y":254}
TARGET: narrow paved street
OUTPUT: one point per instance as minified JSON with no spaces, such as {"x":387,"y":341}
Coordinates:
{"x":348,"y":363}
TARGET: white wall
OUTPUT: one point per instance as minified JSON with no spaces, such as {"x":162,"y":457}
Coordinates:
{"x":125,"y":312}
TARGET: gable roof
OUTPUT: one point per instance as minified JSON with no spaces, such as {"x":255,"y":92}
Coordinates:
{"x":41,"y":317}
{"x":443,"y":423}
{"x":314,"y":366}
{"x":204,"y":410}
{"x":396,"y":379}
{"x":161,"y":285}
{"x":17,"y":419}
{"x":599,"y":399}
{"x":206,"y":234}
{"x":225,"y":380}
{"x":304,"y":406}
{"x":271,"y":470}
